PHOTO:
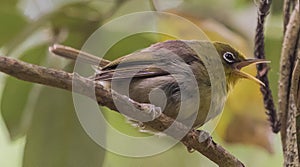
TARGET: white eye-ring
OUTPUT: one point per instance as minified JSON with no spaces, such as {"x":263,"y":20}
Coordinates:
{"x":229,"y":57}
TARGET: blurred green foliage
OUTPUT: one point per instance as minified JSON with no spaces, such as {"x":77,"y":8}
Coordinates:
{"x":18,"y":92}
{"x":13,"y":21}
{"x":46,"y":116}
{"x":56,"y":137}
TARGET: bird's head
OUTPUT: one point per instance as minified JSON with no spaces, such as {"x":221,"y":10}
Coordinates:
{"x":233,"y":61}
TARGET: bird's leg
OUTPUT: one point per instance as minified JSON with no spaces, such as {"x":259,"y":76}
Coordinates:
{"x":203,"y":136}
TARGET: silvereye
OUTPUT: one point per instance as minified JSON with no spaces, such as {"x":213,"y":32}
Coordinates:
{"x":174,"y":76}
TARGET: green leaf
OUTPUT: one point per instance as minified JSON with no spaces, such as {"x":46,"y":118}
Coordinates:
{"x":74,"y":17}
{"x":9,"y":3}
{"x":131,"y":44}
{"x":273,"y":50}
{"x":177,"y":156}
{"x":12,"y":22}
{"x":15,"y":97}
{"x":56,"y":138}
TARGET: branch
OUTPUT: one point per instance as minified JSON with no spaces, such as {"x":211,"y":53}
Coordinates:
{"x":263,"y":69}
{"x":63,"y":80}
{"x":296,"y":82}
{"x":291,"y":149}
{"x":286,"y":13}
{"x":295,"y":98}
{"x":286,"y":65}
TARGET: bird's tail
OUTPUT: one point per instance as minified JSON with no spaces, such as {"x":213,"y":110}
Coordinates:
{"x":74,"y":54}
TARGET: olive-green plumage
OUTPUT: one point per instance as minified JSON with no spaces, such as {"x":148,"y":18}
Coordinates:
{"x":189,"y":80}
{"x":163,"y":74}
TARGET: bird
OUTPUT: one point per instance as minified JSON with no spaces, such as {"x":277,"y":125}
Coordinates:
{"x":175,"y":75}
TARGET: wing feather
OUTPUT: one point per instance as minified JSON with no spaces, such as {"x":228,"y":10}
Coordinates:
{"x":149,"y":62}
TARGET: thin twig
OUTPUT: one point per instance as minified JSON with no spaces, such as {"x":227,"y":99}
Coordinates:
{"x":152,"y":5}
{"x":296,"y":81}
{"x":63,"y":80}
{"x":295,"y":89}
{"x":291,"y":156}
{"x":286,"y":13}
{"x":262,"y":69}
{"x":286,"y":66}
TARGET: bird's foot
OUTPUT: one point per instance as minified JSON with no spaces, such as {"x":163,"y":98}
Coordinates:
{"x":153,"y":111}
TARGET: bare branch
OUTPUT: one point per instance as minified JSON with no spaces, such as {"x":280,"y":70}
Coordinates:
{"x":291,"y":153}
{"x":286,"y":13}
{"x":286,"y":66}
{"x":262,"y":69}
{"x":295,"y":88}
{"x":295,"y":98}
{"x":63,"y":80}
{"x":291,"y":157}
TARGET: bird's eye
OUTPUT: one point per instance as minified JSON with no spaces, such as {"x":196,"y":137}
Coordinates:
{"x":229,"y":57}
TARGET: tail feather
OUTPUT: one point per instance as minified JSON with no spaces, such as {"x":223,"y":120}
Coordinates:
{"x":74,"y":54}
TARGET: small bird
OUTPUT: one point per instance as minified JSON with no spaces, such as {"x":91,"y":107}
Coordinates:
{"x":175,"y":75}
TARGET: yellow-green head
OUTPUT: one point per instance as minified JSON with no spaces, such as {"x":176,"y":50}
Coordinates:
{"x":233,"y":61}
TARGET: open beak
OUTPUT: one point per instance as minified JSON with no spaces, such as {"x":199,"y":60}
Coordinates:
{"x":238,"y":66}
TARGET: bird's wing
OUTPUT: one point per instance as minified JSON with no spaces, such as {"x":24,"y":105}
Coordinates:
{"x":159,"y":59}
{"x":139,"y":64}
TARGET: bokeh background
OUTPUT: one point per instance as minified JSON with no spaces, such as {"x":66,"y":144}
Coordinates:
{"x":38,"y":124}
